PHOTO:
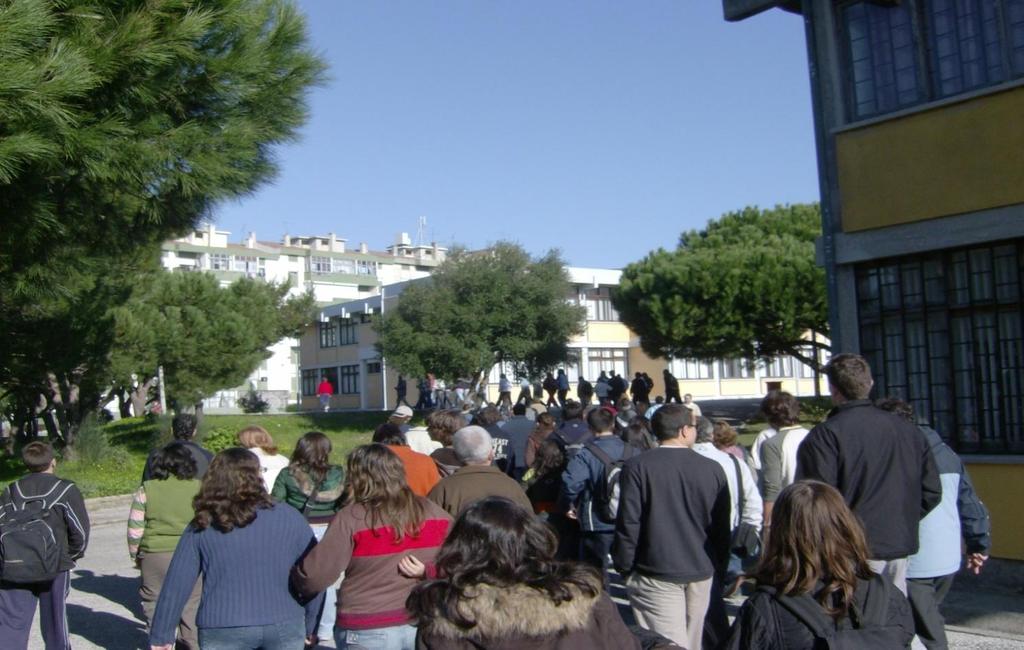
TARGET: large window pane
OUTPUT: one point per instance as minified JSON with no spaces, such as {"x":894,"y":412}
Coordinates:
{"x":881,"y":56}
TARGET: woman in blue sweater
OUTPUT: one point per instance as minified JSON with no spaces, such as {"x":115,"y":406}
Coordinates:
{"x":244,"y":545}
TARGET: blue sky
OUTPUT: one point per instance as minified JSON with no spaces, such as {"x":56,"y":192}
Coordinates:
{"x":602,"y":128}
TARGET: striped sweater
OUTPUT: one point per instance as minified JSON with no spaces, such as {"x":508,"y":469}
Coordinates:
{"x":373,"y":593}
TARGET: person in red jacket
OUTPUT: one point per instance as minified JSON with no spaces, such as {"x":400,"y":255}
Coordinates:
{"x":324,"y":392}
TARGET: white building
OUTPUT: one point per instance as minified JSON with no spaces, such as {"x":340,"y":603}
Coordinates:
{"x":321,"y":264}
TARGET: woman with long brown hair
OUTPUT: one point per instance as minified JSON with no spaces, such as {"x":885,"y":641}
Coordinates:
{"x":814,"y":581}
{"x":314,"y":487}
{"x":244,"y":545}
{"x":384,"y":534}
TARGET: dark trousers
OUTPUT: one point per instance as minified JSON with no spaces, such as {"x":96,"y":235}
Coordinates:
{"x":594,"y":550}
{"x":716,"y":620}
{"x":18,"y":608}
{"x":926,"y":595}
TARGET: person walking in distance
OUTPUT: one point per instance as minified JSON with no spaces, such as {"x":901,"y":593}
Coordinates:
{"x":671,"y":387}
{"x":672,"y":530}
{"x":401,"y":390}
{"x":563,"y":386}
{"x":324,"y":392}
{"x":879,"y":462}
{"x":550,"y":387}
{"x":20,"y":592}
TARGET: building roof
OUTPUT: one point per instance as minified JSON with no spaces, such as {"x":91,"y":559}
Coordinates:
{"x":735,"y":10}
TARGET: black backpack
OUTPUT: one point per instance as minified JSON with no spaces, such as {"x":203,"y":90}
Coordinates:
{"x":864,"y":629}
{"x":30,"y":550}
{"x":605,"y":499}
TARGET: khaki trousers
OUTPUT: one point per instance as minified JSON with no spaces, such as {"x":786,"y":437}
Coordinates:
{"x":674,"y":610}
{"x":154,"y":570}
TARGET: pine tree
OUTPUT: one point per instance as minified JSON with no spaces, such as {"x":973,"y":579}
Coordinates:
{"x":124,"y":122}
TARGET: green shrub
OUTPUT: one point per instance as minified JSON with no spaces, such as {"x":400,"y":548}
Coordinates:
{"x":92,"y":445}
{"x":220,"y":438}
{"x":253,"y":402}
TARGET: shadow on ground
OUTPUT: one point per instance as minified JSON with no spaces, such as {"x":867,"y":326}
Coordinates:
{"x":122,"y":590}
{"x":106,"y":630}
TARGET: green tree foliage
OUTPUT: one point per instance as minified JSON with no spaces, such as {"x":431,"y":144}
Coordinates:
{"x":479,"y":309}
{"x":124,"y":122}
{"x":206,"y":337}
{"x":746,"y":286}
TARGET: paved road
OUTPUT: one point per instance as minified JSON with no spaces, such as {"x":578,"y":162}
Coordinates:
{"x":104,"y":610}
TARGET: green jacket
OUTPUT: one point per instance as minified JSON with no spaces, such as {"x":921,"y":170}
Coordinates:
{"x":295,"y":487}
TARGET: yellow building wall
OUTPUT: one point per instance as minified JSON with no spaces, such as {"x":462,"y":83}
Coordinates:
{"x":606,"y":332}
{"x":1000,"y":487}
{"x":950,"y":160}
{"x":375,"y":391}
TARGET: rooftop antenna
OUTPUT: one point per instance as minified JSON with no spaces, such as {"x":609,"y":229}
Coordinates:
{"x":421,"y":231}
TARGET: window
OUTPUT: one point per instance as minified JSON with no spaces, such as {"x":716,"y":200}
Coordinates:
{"x":328,"y":334}
{"x":365,"y":267}
{"x":598,"y":303}
{"x":690,"y":369}
{"x":310,"y":380}
{"x":250,"y":265}
{"x":607,"y":359}
{"x":344,"y":266}
{"x":900,"y":54}
{"x":780,"y":367}
{"x":735,"y":369}
{"x":373,"y":367}
{"x":319,"y":265}
{"x":346,"y":331}
{"x":220,"y":261}
{"x":601,"y":309}
{"x":881,"y":57}
{"x":349,"y":380}
{"x":954,"y":350}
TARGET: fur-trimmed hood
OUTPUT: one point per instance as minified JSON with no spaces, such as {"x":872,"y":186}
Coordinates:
{"x":514,"y":612}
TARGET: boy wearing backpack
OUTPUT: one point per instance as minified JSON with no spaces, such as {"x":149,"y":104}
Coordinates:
{"x":45,"y":529}
{"x":587,"y":493}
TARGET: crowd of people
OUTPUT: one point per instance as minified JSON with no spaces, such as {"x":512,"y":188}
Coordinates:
{"x":507,"y":525}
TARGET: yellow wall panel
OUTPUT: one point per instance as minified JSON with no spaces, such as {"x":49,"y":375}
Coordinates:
{"x":608,"y":332}
{"x":950,"y":160}
{"x":1000,"y":487}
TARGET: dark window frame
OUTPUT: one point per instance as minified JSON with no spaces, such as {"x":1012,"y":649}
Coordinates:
{"x":348,"y":380}
{"x":957,"y":357}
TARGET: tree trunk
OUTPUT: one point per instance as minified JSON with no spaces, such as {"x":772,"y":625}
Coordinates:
{"x":139,"y":396}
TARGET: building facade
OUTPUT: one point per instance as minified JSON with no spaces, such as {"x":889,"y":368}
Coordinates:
{"x":918,"y":109}
{"x":341,"y":347}
{"x":323,"y":265}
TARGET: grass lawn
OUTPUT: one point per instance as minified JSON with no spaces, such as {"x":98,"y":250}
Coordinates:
{"x":115,"y":468}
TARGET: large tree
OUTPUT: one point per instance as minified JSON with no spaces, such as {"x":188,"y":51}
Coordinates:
{"x":124,"y":122}
{"x":204,"y":336}
{"x":483,"y":308}
{"x":746,"y":286}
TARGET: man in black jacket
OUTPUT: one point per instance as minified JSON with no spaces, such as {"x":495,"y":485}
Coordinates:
{"x":880,"y":463}
{"x":672,"y":530}
{"x":183,"y":427}
{"x":69,"y":522}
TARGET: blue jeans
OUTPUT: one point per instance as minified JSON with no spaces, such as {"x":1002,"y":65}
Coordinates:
{"x":278,"y":636}
{"x":397,"y":637}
